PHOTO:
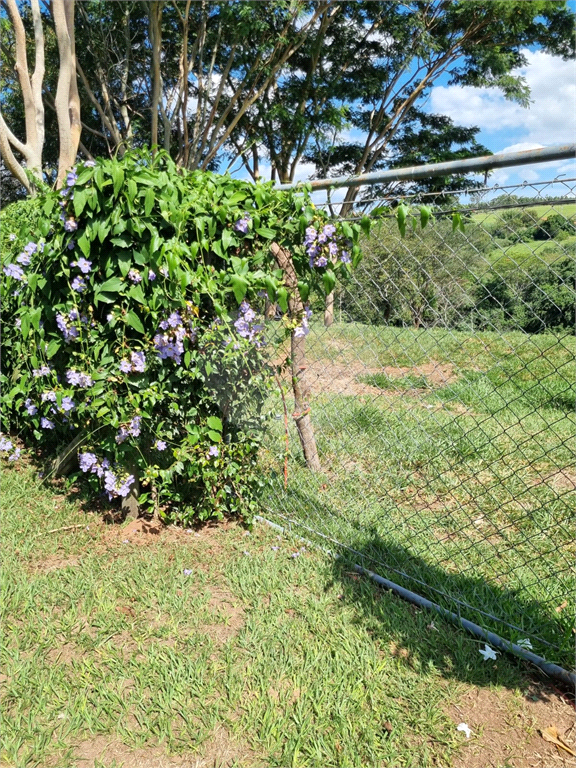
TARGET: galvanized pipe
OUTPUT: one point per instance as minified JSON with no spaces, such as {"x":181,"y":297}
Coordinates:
{"x":471,"y":165}
{"x":553,"y":670}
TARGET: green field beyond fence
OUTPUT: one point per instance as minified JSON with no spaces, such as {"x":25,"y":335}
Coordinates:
{"x":448,"y":461}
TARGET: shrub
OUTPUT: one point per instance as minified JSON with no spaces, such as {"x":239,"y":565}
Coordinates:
{"x":130,"y":325}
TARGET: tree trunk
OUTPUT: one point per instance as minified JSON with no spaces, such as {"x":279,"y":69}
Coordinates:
{"x":300,"y":386}
{"x":329,"y":310}
{"x":67,"y":100}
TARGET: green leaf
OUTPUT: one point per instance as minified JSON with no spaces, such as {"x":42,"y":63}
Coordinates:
{"x":79,"y":201}
{"x":214,"y":423}
{"x":111,"y":286}
{"x":35,"y":317}
{"x":84,"y":244}
{"x":425,"y":214}
{"x":456,"y":221}
{"x":124,"y":262}
{"x":329,"y":280}
{"x":134,"y":321}
{"x":117,"y":178}
{"x":48,"y":206}
{"x":270,"y":287}
{"x":282,"y":296}
{"x":239,"y":286}
{"x":266,"y":233}
{"x":304,"y":290}
{"x":132,"y":189}
{"x":53,"y":347}
{"x":365,"y":223}
{"x":215,"y":436}
{"x":25,"y":326}
{"x":228,"y":239}
{"x":149,"y":200}
{"x":401,"y":214}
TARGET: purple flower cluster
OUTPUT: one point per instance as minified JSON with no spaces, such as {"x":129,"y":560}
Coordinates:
{"x":243,"y":224}
{"x":6,"y":446}
{"x":136,"y":364}
{"x":245,"y":326}
{"x":76,"y":379}
{"x":151,"y":275}
{"x":303,"y":329}
{"x":132,"y":430}
{"x":30,"y":249}
{"x":134,"y":276}
{"x":113,"y":483}
{"x":321,"y":246}
{"x":44,"y":370}
{"x":213,"y":451}
{"x":169,"y":340}
{"x":30,"y":407}
{"x":66,"y":327}
{"x":46,"y":423}
{"x":70,"y":225}
{"x":13,"y":270}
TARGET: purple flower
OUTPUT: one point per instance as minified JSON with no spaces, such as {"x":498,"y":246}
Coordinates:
{"x":71,"y":245}
{"x":121,"y":435}
{"x":124,"y":489}
{"x":30,"y":407}
{"x":213,"y":451}
{"x":42,"y":371}
{"x":90,"y":164}
{"x":68,"y":331}
{"x":174,"y":320}
{"x":109,"y":317}
{"x":87,"y":461}
{"x":23,"y":259}
{"x":78,"y":284}
{"x":329,"y":230}
{"x":46,"y":423}
{"x":125,"y":366}
{"x":151,"y":275}
{"x":67,"y":404}
{"x":164,"y":271}
{"x":332,"y":249}
{"x":71,"y":179}
{"x":5,"y":444}
{"x":15,"y":456}
{"x":18,"y":323}
{"x":321,"y":261}
{"x":83,"y":265}
{"x":77,"y":379}
{"x":71,"y":225}
{"x":135,"y":425}
{"x":187,"y":571}
{"x":135,"y":276}
{"x":242,"y":224}
{"x":13,"y":270}
{"x":31,"y":248}
{"x":160,"y":445}
{"x":138,"y":360}
{"x":48,"y":397}
{"x":345,"y":257}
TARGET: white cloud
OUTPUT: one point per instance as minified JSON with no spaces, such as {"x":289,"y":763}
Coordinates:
{"x":550,"y":119}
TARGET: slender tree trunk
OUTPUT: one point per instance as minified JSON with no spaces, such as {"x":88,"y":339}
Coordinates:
{"x":300,"y":386}
{"x":155,"y":13}
{"x":67,"y":101}
{"x":329,"y":310}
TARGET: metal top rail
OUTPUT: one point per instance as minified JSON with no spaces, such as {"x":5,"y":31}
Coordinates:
{"x":471,"y":165}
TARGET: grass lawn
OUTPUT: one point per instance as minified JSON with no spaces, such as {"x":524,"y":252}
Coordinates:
{"x":448,"y":464}
{"x":218,"y":647}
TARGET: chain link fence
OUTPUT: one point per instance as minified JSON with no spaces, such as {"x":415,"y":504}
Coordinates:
{"x":442,"y":392}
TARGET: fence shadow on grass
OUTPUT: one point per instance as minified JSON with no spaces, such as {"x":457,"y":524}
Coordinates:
{"x":421,"y":636}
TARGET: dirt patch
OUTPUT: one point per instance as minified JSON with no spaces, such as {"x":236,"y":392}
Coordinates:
{"x":563,"y":480}
{"x":339,"y":378}
{"x":225,"y":606}
{"x":64,"y":654}
{"x":55,"y":563}
{"x":505,"y":728}
{"x":220,"y":750}
{"x":438,"y":374}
